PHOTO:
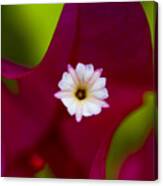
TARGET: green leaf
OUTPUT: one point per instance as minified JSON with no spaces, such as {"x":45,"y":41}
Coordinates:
{"x":150,"y":9}
{"x":27,"y":31}
{"x":131,"y":135}
{"x":12,"y":85}
{"x":45,"y":173}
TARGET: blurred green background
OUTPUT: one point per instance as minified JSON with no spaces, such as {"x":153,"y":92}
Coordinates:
{"x":27,"y":31}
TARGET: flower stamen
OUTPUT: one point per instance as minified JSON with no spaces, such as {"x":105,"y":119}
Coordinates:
{"x":80,"y":94}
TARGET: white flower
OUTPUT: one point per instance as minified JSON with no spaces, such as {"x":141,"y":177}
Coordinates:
{"x":83,"y":91}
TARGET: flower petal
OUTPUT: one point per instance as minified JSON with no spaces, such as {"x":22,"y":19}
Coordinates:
{"x":92,"y":108}
{"x":66,"y":82}
{"x":101,"y":94}
{"x":79,"y":113}
{"x":72,"y":108}
{"x":86,"y":111}
{"x":89,"y":70}
{"x":95,"y":76}
{"x":73,"y":73}
{"x":100,"y":102}
{"x":80,"y":70}
{"x":62,"y":94}
{"x":100,"y":83}
{"x":67,"y":101}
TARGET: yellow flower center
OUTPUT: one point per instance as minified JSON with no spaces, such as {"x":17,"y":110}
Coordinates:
{"x":80,"y":94}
